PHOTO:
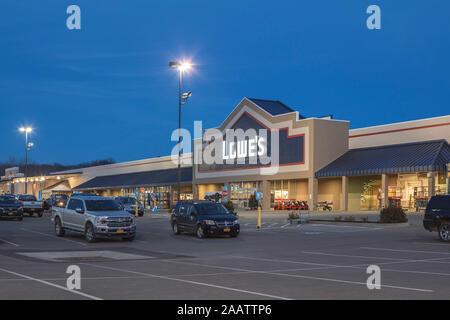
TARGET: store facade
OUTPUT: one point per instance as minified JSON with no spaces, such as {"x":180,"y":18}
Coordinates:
{"x":265,"y":146}
{"x":155,"y":180}
{"x":282,"y":168}
{"x":323,"y":162}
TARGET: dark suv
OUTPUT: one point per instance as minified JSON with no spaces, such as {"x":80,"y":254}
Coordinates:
{"x":10,"y":208}
{"x":203,"y":218}
{"x":437,"y":216}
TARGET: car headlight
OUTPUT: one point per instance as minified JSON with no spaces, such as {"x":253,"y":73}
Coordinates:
{"x":236,"y":221}
{"x":209,"y":222}
{"x":102,"y":220}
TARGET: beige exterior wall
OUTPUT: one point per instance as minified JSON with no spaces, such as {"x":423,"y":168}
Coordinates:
{"x":329,"y":142}
{"x":402,"y":132}
{"x":302,"y":190}
{"x":330,"y":190}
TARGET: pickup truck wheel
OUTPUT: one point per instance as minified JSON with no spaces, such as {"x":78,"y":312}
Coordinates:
{"x":444,"y":231}
{"x":89,"y":233}
{"x":20,"y":218}
{"x":59,"y":230}
{"x":40,"y":214}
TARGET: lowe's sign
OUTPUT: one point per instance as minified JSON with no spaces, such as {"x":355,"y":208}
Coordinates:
{"x":249,"y":144}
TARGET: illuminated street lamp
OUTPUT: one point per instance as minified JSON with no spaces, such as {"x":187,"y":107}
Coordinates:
{"x":28,"y":146}
{"x":182,"y":99}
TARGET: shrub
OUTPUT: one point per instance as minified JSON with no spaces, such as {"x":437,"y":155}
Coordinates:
{"x":230,"y":206}
{"x":252,"y":202}
{"x":393,"y":215}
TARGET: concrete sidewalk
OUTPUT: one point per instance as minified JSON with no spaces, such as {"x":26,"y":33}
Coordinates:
{"x":414,"y":219}
{"x":270,"y":216}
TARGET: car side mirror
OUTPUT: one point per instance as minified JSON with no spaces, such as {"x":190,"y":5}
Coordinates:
{"x":79,"y":210}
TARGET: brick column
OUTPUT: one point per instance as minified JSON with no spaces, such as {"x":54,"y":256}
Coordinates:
{"x":195,"y":191}
{"x":172,"y":200}
{"x":431,"y":183}
{"x":265,"y":194}
{"x":313,"y":188}
{"x":344,"y":205}
{"x":384,"y":191}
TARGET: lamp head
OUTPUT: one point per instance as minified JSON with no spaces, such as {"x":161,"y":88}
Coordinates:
{"x":25,"y":129}
{"x":182,"y":66}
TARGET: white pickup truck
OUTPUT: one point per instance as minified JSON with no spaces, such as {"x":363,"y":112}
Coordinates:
{"x":95,"y":216}
{"x":30,"y":204}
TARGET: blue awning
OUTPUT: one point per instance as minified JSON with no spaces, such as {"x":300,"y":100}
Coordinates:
{"x":164,"y":177}
{"x":391,"y":159}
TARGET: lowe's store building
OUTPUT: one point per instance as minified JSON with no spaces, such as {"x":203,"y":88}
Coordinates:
{"x":319,"y":160}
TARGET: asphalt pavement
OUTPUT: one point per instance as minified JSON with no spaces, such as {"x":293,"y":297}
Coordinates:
{"x":279,"y":261}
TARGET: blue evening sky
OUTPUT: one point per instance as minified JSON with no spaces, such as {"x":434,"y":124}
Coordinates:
{"x":107,"y":91}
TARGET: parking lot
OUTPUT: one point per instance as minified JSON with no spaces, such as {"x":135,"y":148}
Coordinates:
{"x":280,"y":261}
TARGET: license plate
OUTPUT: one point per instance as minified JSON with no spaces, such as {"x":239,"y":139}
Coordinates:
{"x":226,"y":230}
{"x":119,"y":231}
{"x":32,"y":209}
{"x":11,"y":213}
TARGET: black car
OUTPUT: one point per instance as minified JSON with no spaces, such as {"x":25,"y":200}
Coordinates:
{"x":57,"y":200}
{"x":10,"y":208}
{"x":437,"y":216}
{"x":129,"y":204}
{"x":203,"y":218}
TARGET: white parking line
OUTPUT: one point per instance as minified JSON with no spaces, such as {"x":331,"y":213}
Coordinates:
{"x":52,"y":236}
{"x":303,"y":277}
{"x":400,"y":250}
{"x":284,"y":226}
{"x":191,"y":282}
{"x":51,"y":284}
{"x":336,"y":226}
{"x":13,"y":244}
{"x":358,"y":266}
{"x":432,"y":243}
{"x":351,"y":256}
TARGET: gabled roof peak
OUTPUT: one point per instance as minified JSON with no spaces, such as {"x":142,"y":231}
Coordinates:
{"x":273,"y":107}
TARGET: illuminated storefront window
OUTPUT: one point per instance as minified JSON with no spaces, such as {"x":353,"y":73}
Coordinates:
{"x":282,"y":190}
{"x":242,"y":191}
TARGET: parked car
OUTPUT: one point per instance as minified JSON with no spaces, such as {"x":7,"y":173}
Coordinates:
{"x":30,"y":204}
{"x":57,"y":200}
{"x":437,"y":216}
{"x":10,"y":208}
{"x":95,"y":216}
{"x":129,"y":204}
{"x":203,"y":218}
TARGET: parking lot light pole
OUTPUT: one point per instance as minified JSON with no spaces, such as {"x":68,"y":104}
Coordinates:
{"x":181,"y":67}
{"x":28,"y":145}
